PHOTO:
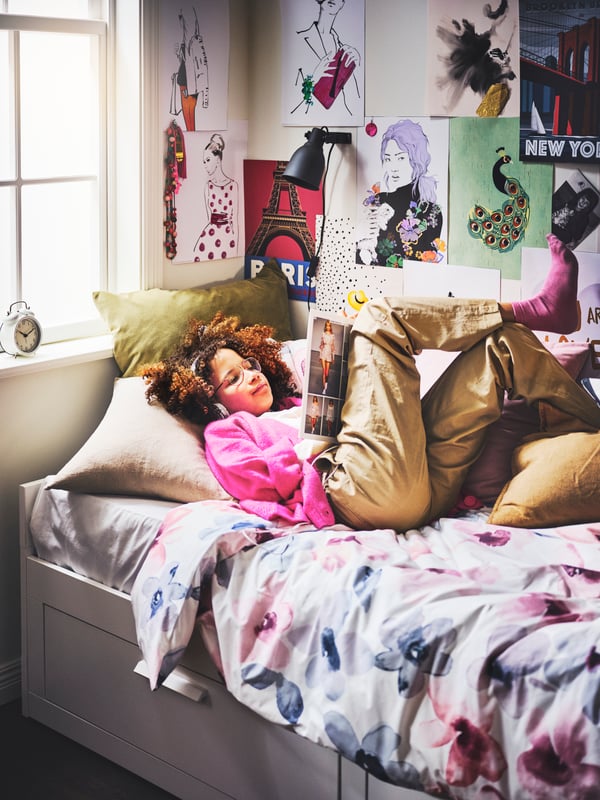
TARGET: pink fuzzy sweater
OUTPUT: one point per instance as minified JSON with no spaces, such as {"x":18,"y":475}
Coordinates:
{"x":253,"y":458}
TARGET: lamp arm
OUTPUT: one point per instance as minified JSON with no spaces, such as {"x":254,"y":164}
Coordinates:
{"x":329,"y":137}
{"x":314,"y":262}
{"x":337,"y":137}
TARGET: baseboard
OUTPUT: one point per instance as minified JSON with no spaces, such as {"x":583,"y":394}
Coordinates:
{"x":10,"y":681}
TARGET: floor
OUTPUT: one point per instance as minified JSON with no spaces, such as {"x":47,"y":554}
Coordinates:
{"x":39,"y":763}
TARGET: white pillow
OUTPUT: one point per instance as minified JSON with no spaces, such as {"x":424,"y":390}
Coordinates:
{"x":140,"y":449}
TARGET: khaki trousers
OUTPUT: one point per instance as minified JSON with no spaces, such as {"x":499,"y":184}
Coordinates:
{"x":400,"y":461}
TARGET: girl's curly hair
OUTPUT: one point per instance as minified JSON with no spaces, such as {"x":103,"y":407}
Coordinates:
{"x":181,"y":382}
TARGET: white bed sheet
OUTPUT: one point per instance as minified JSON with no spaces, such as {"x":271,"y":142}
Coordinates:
{"x":104,"y":537}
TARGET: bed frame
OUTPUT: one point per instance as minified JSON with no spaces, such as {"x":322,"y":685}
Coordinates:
{"x":82,"y":676}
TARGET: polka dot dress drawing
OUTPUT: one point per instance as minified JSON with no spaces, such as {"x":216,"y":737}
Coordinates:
{"x":218,"y":238}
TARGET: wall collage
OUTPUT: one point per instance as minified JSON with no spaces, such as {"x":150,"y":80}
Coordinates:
{"x":451,"y":202}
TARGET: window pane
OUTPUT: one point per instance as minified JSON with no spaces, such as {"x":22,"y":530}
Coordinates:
{"x":77,"y":9}
{"x":60,"y":250}
{"x":7,"y":163}
{"x":7,"y":248}
{"x":59,"y":105}
{"x":585,"y":69}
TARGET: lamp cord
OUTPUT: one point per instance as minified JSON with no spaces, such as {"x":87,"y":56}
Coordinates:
{"x":314,"y":262}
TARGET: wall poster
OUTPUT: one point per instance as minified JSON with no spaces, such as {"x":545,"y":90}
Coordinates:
{"x":194,"y":64}
{"x":402,"y":196}
{"x":322,"y":72}
{"x":474,"y":46}
{"x":209,"y":215}
{"x":560,"y":91}
{"x":497,"y":203}
{"x":575,"y":209}
{"x":280,"y":223}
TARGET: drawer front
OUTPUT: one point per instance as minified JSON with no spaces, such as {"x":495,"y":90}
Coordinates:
{"x":89,"y":672}
{"x":98,"y":606}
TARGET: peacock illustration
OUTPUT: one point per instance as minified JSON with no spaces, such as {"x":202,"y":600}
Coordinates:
{"x":505,"y":227}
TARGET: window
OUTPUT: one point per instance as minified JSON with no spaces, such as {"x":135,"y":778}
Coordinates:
{"x":585,"y":63}
{"x":570,"y":62}
{"x":57,"y":159}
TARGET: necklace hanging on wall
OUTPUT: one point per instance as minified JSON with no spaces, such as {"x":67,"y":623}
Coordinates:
{"x":175,"y":173}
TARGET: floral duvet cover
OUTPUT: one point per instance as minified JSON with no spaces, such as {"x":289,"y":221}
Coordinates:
{"x":462,"y":660}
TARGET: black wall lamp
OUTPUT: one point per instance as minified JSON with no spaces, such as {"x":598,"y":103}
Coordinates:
{"x":307,"y":167}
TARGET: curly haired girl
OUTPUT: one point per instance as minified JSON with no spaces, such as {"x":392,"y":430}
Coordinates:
{"x":184,"y":382}
{"x":399,"y":460}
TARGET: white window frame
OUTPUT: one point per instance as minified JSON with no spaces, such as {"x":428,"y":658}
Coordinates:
{"x":126,"y":180}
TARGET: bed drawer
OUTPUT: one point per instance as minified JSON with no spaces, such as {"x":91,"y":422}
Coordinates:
{"x":89,"y":673}
{"x":96,"y":605}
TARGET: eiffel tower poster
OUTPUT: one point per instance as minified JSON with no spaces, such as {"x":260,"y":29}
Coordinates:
{"x":280,"y":224}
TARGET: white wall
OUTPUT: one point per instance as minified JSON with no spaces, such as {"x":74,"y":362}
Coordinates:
{"x":46,"y":417}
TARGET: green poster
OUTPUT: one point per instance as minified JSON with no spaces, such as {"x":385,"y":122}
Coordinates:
{"x":498,"y":204}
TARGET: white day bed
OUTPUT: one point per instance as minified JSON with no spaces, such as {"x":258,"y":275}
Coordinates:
{"x":459,"y":660}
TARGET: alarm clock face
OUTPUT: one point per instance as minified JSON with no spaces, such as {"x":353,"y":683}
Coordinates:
{"x":28,"y":334}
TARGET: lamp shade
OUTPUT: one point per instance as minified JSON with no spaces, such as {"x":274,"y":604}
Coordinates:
{"x":306,"y":166}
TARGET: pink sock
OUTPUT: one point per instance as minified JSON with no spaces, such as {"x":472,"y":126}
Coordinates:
{"x":555,"y":307}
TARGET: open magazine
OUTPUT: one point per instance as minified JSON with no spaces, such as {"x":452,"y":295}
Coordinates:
{"x":325,"y":375}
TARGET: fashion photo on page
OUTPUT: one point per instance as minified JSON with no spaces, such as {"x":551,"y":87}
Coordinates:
{"x":326,"y":375}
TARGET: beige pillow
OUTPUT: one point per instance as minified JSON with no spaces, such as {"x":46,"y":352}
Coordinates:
{"x":141,"y":449}
{"x":556,"y":482}
{"x":492,"y":470}
{"x":147,"y":325}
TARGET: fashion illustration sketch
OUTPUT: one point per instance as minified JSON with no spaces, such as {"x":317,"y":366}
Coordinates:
{"x":193,"y":58}
{"x":190,"y":82}
{"x":218,"y":238}
{"x":477,"y":47}
{"x":323,"y":73}
{"x":401,"y":215}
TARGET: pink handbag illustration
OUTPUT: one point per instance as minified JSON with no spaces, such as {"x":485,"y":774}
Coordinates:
{"x":329,"y":86}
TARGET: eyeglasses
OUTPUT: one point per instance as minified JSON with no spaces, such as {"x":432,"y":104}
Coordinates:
{"x":235,"y":376}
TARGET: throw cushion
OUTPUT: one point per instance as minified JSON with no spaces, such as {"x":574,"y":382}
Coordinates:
{"x":147,"y":325}
{"x":492,"y":470}
{"x":140,"y":449}
{"x":555,"y":483}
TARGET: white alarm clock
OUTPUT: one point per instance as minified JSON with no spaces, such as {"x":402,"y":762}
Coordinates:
{"x":20,"y":330}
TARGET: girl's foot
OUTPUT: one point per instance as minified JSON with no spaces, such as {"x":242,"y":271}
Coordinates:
{"x":555,"y":307}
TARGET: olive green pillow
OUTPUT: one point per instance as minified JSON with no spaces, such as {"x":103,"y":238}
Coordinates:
{"x":147,"y":325}
{"x":556,"y":482}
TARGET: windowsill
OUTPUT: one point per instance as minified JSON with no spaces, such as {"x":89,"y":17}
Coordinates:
{"x":57,"y":354}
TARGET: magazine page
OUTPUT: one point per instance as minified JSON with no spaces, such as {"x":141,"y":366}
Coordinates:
{"x":326,"y":374}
